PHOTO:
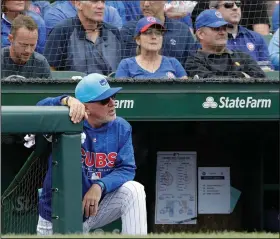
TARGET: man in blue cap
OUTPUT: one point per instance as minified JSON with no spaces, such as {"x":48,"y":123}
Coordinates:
{"x":214,"y":59}
{"x":108,"y":165}
{"x":241,"y":38}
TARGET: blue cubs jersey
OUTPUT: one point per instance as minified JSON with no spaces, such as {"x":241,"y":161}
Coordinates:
{"x":106,"y":155}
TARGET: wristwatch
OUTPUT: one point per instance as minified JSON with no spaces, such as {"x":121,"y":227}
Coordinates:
{"x":65,"y":100}
{"x":101,"y":184}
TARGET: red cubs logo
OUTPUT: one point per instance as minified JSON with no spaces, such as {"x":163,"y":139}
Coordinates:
{"x":99,"y":160}
{"x":250,"y":46}
{"x":151,"y":19}
{"x":170,"y":75}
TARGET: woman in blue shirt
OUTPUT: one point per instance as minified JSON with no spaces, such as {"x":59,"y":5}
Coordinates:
{"x":149,"y":64}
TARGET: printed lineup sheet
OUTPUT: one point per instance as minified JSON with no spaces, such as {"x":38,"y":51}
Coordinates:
{"x":176,"y":188}
{"x":214,"y":190}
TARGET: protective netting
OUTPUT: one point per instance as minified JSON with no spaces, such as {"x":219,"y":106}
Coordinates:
{"x":19,"y":205}
{"x":19,"y":202}
{"x":68,"y":44}
{"x":271,"y":78}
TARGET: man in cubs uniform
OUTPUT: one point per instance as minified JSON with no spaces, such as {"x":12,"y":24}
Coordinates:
{"x":107,"y":157}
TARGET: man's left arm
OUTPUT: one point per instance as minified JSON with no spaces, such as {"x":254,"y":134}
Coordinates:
{"x":263,"y":49}
{"x":263,"y":52}
{"x":274,"y":50}
{"x":124,"y":169}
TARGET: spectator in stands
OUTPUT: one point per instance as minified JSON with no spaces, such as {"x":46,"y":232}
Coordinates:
{"x":275,"y":18}
{"x":184,"y":17}
{"x":66,"y":9}
{"x":177,"y":41}
{"x":240,"y":38}
{"x":10,"y":10}
{"x":274,"y":50}
{"x":20,"y":58}
{"x":149,"y":63}
{"x":84,"y":43}
{"x":255,"y":16}
{"x":133,"y":10}
{"x":214,"y":59}
{"x":119,"y":5}
{"x":40,"y":7}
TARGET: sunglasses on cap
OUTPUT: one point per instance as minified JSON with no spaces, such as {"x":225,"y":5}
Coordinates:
{"x":229,"y":5}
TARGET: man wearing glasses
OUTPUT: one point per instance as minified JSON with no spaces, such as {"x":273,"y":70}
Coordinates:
{"x":214,"y":59}
{"x":254,"y":17}
{"x":241,"y":38}
{"x":108,"y":165}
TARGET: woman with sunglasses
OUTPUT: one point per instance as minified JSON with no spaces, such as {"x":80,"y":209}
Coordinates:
{"x":149,"y":63}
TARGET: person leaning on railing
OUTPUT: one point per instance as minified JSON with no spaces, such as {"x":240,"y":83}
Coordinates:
{"x":107,"y":160}
{"x":149,"y":63}
{"x":214,"y":59}
{"x":20,"y":57}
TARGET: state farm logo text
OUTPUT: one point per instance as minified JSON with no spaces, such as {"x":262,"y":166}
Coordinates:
{"x":236,"y":103}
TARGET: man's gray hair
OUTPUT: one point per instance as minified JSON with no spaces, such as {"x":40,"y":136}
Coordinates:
{"x":213,"y":4}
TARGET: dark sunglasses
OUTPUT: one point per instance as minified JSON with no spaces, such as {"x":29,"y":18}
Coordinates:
{"x":229,"y":5}
{"x":107,"y":100}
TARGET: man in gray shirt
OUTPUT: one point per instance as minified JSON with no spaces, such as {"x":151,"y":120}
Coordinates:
{"x":20,"y":58}
{"x":84,"y":43}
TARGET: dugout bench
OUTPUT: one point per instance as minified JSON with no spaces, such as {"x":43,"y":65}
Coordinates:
{"x":227,"y":123}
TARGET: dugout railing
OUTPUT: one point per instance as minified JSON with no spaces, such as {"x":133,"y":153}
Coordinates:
{"x":227,"y":122}
{"x":66,"y":176}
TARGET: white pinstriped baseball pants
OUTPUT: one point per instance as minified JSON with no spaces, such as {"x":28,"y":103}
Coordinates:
{"x":127,"y":202}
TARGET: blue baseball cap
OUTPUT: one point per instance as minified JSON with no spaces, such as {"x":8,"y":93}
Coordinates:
{"x":145,"y":23}
{"x":210,"y":18}
{"x":94,"y":87}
